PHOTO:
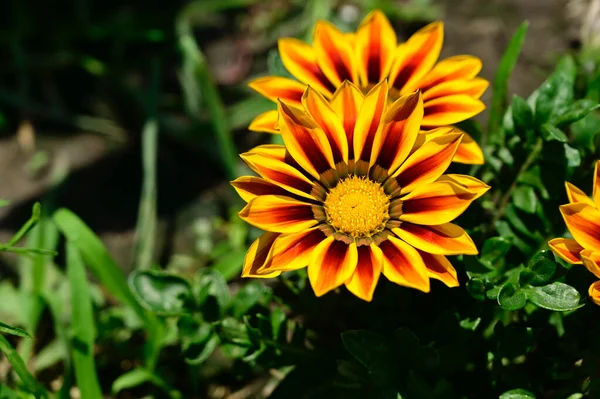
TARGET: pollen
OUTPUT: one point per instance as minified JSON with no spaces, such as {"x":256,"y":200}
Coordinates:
{"x":357,"y":207}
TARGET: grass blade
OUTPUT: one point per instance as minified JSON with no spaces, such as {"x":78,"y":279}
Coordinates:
{"x":83,"y":326}
{"x":19,"y":332}
{"x":108,"y":272}
{"x":146,"y":223}
{"x":500,"y":85}
{"x":33,"y":275}
{"x":195,"y":71}
{"x":19,"y":366}
{"x":35,"y":216}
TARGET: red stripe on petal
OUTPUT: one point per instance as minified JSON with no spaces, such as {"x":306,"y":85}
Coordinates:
{"x":278,"y":214}
{"x":257,"y":256}
{"x":250,"y":187}
{"x":365,"y":277}
{"x":443,"y":239}
{"x":293,"y":251}
{"x":403,"y":265}
{"x":332,"y":264}
{"x":440,"y":268}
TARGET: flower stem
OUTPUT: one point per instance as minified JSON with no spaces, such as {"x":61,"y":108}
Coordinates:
{"x":506,"y":197}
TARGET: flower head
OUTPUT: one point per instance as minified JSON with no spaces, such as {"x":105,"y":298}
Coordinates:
{"x":582,"y":217}
{"x":353,"y":193}
{"x":450,"y":88}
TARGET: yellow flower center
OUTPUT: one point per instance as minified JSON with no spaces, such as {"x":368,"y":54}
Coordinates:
{"x":357,"y":206}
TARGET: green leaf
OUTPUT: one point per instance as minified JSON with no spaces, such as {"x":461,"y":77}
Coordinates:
{"x":160,"y":292}
{"x":522,"y":114}
{"x":542,"y":267}
{"x":248,"y":296}
{"x":556,"y":92}
{"x":525,"y":199}
{"x":511,"y":297}
{"x":96,"y":257}
{"x":554,"y":133}
{"x":83,"y":326}
{"x":19,"y":367}
{"x":139,"y":376}
{"x":210,"y":283}
{"x":492,"y":293}
{"x":19,"y":332}
{"x":476,"y":288}
{"x":576,"y":111}
{"x":372,"y":350}
{"x":517,"y":394}
{"x":368,"y":347}
{"x":230,"y":264}
{"x":4,"y":203}
{"x":494,"y":249}
{"x":500,"y":86}
{"x":573,"y":156}
{"x":207,"y":349}
{"x":556,"y":296}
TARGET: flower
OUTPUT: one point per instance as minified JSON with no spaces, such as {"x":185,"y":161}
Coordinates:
{"x":450,"y":88}
{"x":582,"y":217}
{"x":351,"y":196}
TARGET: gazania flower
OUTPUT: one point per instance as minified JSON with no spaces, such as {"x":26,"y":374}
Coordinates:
{"x":349,"y":196}
{"x":450,"y":88}
{"x":582,"y":217}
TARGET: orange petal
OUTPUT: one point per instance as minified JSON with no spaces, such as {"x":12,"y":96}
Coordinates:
{"x":416,"y":57}
{"x":472,"y":87}
{"x":305,"y":141}
{"x":403,"y":265}
{"x":300,"y":60}
{"x":440,"y":268}
{"x":468,"y":151}
{"x":575,"y":195}
{"x":596,"y":193}
{"x":276,"y":87}
{"x":438,"y":202}
{"x":566,"y":249}
{"x":426,"y":135}
{"x":369,"y":121}
{"x":428,"y":162}
{"x":346,"y":102}
{"x":365,"y":277}
{"x":249,"y":187}
{"x":591,"y":261}
{"x":443,"y":239}
{"x":450,"y":109}
{"x":266,"y":122}
{"x":469,"y":182}
{"x":280,"y":173}
{"x":583,"y":221}
{"x":457,"y":67}
{"x":594,"y":292}
{"x":332,"y":264}
{"x":329,"y":121}
{"x":334,"y":54}
{"x":375,"y":45}
{"x":257,"y":256}
{"x":293,"y":251}
{"x":396,"y":139}
{"x":274,"y":151}
{"x":278,"y":214}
